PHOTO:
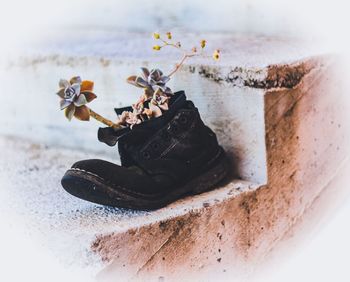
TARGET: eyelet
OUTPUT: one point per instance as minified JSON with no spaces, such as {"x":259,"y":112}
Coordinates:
{"x":155,"y":146}
{"x":183,"y":120}
{"x":166,"y":136}
{"x":146,"y":155}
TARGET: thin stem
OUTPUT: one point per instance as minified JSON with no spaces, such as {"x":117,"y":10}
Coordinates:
{"x":166,"y":43}
{"x":178,"y":66}
{"x":105,"y":121}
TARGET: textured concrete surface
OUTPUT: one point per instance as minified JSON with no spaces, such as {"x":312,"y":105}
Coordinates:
{"x":71,"y":228}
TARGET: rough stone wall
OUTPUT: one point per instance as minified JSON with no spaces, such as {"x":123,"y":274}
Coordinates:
{"x":306,"y":138}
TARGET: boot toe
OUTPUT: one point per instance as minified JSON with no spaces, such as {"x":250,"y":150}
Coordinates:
{"x":106,"y":183}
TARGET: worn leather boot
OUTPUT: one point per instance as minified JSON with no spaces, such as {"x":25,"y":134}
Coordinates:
{"x":162,"y":160}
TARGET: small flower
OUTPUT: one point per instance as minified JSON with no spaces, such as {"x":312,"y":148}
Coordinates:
{"x":148,"y":113}
{"x":151,"y":81}
{"x":156,"y":35}
{"x":75,"y":94}
{"x":156,"y":47}
{"x":203,"y":43}
{"x":161,"y":100}
{"x":168,"y":34}
{"x":156,"y":111}
{"x":129,"y":119}
{"x":216,"y":54}
{"x":141,"y":100}
{"x":138,"y":109}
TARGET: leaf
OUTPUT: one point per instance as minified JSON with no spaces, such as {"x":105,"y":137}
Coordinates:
{"x":75,"y":79}
{"x":156,"y":74}
{"x":76,"y":87}
{"x":168,"y":91}
{"x":145,"y":73}
{"x":69,"y":111}
{"x":164,"y":106}
{"x":63,"y":83}
{"x":141,"y":82}
{"x":82,"y":113}
{"x":165,"y":79}
{"x":155,"y":110}
{"x":149,"y":92}
{"x":89,"y":96}
{"x":81,"y":101}
{"x":61,"y":93}
{"x":132,"y":80}
{"x":64,"y":104}
{"x":86,"y":85}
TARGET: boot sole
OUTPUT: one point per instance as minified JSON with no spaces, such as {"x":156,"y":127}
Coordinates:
{"x":92,"y":188}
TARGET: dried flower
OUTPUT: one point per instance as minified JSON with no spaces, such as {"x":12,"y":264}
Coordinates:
{"x":156,"y":47}
{"x":156,"y":35}
{"x":160,"y":99}
{"x":169,"y":35}
{"x":156,"y":111}
{"x":147,"y":112}
{"x":203,"y":43}
{"x":216,"y":54}
{"x":75,"y":94}
{"x":178,"y":44}
{"x":194,"y":49}
{"x":129,"y":118}
{"x":151,"y":81}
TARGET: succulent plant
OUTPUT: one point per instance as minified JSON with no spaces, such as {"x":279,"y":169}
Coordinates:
{"x":129,"y":118}
{"x":160,"y":100}
{"x":75,"y":94}
{"x":151,"y":81}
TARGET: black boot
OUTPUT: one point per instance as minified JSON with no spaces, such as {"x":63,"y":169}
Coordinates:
{"x":163,"y":159}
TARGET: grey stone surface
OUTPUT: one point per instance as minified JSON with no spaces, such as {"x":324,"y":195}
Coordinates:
{"x":31,"y":193}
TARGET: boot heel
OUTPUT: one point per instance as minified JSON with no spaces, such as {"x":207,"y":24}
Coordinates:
{"x":210,"y":178}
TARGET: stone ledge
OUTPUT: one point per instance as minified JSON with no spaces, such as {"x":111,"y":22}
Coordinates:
{"x":69,"y":227}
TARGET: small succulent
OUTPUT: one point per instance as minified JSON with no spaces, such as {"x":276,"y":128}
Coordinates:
{"x":75,"y":94}
{"x":129,"y":118}
{"x":151,"y":81}
{"x":160,"y":99}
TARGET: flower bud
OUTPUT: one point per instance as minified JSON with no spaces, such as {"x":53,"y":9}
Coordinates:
{"x":216,"y":55}
{"x":156,"y":47}
{"x":156,"y":35}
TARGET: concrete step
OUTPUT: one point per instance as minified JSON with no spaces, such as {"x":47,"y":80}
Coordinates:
{"x":72,"y":229}
{"x":278,"y":107}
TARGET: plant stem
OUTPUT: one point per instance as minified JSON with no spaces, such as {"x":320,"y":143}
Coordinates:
{"x":166,"y":43}
{"x":178,"y":66}
{"x":103,"y":120}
